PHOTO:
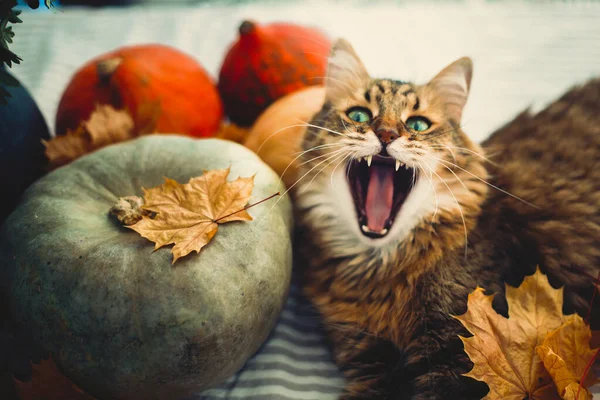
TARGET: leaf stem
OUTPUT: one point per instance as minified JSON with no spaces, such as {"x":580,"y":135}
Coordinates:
{"x":580,"y":270}
{"x":248,"y":206}
{"x":591,"y":305}
{"x":586,"y":371}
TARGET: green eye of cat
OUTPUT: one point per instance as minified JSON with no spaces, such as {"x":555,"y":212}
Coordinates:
{"x":418,"y":124}
{"x":360,"y":115}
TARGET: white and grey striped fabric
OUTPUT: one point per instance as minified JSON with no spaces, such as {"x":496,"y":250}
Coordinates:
{"x":524,"y":53}
{"x":294,"y":363}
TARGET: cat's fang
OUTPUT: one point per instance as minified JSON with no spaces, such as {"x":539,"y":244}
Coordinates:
{"x":370,"y":159}
{"x":397,"y":165}
{"x":366,"y":229}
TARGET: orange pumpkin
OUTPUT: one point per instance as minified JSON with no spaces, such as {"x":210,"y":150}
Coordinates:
{"x":154,"y":82}
{"x":268,"y":62}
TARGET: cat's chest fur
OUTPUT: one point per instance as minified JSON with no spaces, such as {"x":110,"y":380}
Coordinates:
{"x":426,"y":287}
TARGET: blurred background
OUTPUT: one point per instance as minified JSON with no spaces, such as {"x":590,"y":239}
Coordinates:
{"x":525,"y":53}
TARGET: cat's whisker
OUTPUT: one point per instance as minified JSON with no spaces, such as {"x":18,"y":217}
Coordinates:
{"x":414,"y":177}
{"x":275,"y":133}
{"x":332,"y":154}
{"x":336,"y":158}
{"x":345,"y":126}
{"x":297,"y":157}
{"x":489,"y":184}
{"x":430,"y":178}
{"x":333,"y":172}
{"x":300,"y":123}
{"x":456,"y":176}
{"x":468,"y":150}
{"x":451,"y":152}
{"x":321,"y":146}
{"x":462,"y":216}
{"x":326,"y":129}
{"x":316,"y":158}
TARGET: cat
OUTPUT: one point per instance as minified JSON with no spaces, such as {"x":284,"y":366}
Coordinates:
{"x":401,"y":216}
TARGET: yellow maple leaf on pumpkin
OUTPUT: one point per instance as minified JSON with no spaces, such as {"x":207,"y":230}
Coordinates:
{"x":188,"y":215}
{"x":503,"y":350}
{"x":565,"y":353}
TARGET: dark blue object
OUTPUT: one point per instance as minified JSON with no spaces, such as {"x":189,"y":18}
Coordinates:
{"x":22,"y":158}
{"x":95,"y":3}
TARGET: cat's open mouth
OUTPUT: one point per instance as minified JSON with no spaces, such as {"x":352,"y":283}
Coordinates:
{"x":379,"y":190}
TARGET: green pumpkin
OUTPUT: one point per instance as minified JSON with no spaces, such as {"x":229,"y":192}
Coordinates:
{"x":119,"y":319}
{"x":22,"y":128}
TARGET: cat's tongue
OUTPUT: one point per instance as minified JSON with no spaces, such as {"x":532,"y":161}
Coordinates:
{"x":380,"y":196}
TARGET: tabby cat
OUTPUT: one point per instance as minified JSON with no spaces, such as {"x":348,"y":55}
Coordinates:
{"x":402,"y":215}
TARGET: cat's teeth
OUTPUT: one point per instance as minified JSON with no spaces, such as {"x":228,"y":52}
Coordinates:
{"x":369,"y":159}
{"x":367,"y":230}
{"x":397,"y":165}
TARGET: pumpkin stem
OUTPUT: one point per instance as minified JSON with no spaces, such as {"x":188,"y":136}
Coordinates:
{"x":129,"y":211}
{"x":246,"y":27}
{"x":106,"y":68}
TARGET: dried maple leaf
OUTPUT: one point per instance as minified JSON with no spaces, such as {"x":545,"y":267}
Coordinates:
{"x":105,"y":126}
{"x":48,"y":383}
{"x":503,"y":350}
{"x":565,"y":353}
{"x":188,"y":214}
{"x":62,"y":149}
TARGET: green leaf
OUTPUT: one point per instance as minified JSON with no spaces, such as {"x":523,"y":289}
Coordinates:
{"x":8,"y":15}
{"x":8,"y":57}
{"x":13,"y":17}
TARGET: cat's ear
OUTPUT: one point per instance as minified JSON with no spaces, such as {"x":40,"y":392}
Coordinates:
{"x":345,"y":72}
{"x":452,"y":85}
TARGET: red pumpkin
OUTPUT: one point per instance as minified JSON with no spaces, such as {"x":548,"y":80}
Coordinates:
{"x":268,"y":62}
{"x":151,"y":81}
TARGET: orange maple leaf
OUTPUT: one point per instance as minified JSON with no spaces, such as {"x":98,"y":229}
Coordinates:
{"x":505,"y":352}
{"x":565,"y":353}
{"x":188,"y":215}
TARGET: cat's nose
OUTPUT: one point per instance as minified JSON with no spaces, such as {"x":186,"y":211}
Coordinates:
{"x":387,"y":136}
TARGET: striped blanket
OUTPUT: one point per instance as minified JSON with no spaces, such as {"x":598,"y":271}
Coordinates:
{"x":294,"y":363}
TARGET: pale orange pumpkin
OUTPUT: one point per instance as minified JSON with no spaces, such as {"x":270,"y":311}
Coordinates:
{"x":277,"y":134}
{"x":159,"y":85}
